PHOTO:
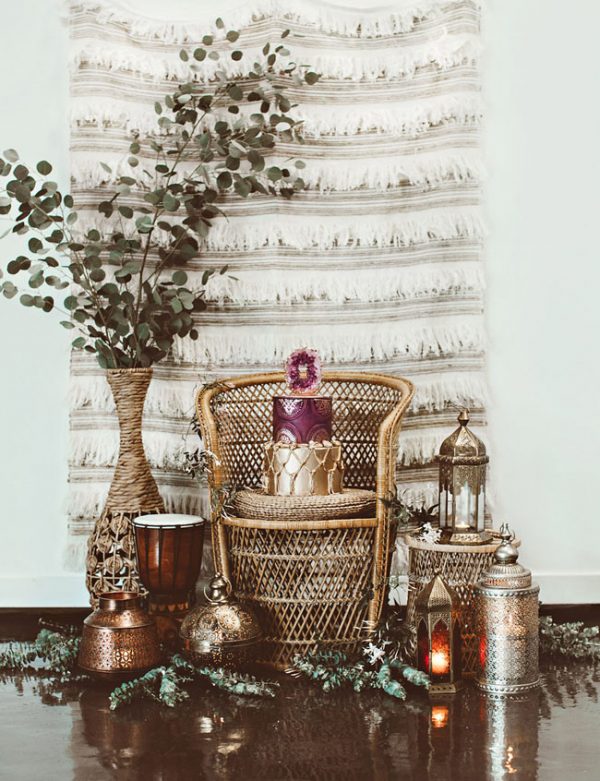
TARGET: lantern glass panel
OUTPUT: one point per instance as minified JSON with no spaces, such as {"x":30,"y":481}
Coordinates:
{"x":443,"y":507}
{"x":465,"y":506}
{"x":481,"y":506}
{"x":440,"y":652}
{"x":423,"y":648}
{"x":445,"y":510}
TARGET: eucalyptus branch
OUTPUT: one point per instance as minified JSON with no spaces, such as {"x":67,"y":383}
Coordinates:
{"x":132,"y":317}
{"x":168,"y":684}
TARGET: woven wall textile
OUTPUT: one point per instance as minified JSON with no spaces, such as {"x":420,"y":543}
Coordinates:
{"x":377,"y":264}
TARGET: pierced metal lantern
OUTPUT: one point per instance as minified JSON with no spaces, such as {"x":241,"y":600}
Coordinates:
{"x":463,"y":462}
{"x":437,"y":619}
{"x":506,"y":603}
{"x":224,"y":632}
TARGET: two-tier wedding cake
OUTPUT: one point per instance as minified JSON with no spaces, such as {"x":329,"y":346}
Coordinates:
{"x":303,"y":459}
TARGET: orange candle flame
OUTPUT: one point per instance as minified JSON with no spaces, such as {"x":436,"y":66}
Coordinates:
{"x":440,"y":662}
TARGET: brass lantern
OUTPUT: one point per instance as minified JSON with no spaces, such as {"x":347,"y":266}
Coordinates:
{"x":463,"y":462}
{"x":437,"y":618}
{"x":224,"y":633}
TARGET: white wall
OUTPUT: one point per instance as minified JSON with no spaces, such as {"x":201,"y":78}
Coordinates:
{"x":35,"y":356}
{"x":542,"y":148}
{"x":543,"y":131}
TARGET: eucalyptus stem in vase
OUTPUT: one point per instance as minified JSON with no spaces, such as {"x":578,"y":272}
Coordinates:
{"x":116,"y":271}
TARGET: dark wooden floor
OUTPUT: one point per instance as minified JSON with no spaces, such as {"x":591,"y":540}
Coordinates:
{"x":61,"y":731}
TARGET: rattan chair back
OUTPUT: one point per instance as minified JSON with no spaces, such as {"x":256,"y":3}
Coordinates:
{"x":307,"y":582}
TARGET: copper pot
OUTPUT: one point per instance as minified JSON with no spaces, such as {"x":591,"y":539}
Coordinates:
{"x":119,"y":638}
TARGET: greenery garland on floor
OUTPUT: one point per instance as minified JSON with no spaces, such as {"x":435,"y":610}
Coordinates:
{"x":54,"y":653}
{"x":571,"y":640}
{"x":333,"y":669}
{"x":167,"y":684}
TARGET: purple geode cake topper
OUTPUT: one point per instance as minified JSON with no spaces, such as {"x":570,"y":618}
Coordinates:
{"x":303,"y":371}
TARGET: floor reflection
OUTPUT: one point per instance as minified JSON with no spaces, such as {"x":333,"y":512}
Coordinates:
{"x":307,"y":734}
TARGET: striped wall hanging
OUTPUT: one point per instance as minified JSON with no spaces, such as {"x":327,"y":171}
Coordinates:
{"x":377,"y":264}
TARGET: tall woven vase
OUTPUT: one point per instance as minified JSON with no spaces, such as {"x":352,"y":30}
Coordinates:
{"x":111,"y":563}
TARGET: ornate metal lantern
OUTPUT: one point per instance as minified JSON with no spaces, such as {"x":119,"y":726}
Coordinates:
{"x":463,"y":461}
{"x":224,"y":632}
{"x":437,"y":621}
{"x":506,"y":603}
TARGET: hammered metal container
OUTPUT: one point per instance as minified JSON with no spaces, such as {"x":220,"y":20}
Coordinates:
{"x":119,"y":639}
{"x":507,"y":621}
{"x":222,"y":633}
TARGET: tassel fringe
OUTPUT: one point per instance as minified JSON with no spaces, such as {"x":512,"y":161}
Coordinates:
{"x":354,"y":342}
{"x":181,"y":24}
{"x":164,"y":450}
{"x":287,"y":287}
{"x":429,"y":168}
{"x":87,"y":500}
{"x":390,"y":64}
{"x":407,"y":117}
{"x":176,"y":398}
{"x":299,"y":232}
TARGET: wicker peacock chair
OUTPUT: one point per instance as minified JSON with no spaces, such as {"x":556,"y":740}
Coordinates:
{"x":311,"y":581}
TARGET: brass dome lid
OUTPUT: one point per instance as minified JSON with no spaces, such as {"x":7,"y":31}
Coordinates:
{"x":463,"y":443}
{"x":223,"y":623}
{"x":506,"y":572}
{"x":436,"y":596}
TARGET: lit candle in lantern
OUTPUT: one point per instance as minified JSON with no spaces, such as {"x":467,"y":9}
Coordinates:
{"x":440,"y":662}
{"x":463,"y":508}
{"x":438,"y":636}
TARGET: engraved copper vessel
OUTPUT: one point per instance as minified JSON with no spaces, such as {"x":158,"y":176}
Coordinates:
{"x":224,"y":632}
{"x":119,"y":638}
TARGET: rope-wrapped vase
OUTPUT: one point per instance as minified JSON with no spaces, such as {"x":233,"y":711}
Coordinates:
{"x":111,"y":563}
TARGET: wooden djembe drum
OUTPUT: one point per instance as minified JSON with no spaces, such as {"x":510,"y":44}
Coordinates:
{"x":169,"y":555}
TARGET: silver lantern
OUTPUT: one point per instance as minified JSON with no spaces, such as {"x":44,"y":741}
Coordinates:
{"x":507,"y":620}
{"x":463,"y":462}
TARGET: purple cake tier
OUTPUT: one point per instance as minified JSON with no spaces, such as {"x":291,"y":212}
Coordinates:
{"x":301,"y":419}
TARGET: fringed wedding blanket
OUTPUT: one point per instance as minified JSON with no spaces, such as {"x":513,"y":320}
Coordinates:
{"x":377,"y":264}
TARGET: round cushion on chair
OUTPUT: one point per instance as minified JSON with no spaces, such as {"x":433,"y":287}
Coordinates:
{"x":350,"y":503}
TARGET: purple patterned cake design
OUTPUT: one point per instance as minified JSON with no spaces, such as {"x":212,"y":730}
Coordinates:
{"x":301,"y":419}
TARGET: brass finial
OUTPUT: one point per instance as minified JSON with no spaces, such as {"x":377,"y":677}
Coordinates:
{"x":463,"y":417}
{"x":219,"y":589}
{"x":506,"y":553}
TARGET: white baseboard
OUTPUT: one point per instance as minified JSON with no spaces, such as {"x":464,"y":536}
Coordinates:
{"x":556,"y":588}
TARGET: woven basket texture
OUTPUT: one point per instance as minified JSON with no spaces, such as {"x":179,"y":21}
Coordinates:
{"x":351,"y":503}
{"x":313,"y":582}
